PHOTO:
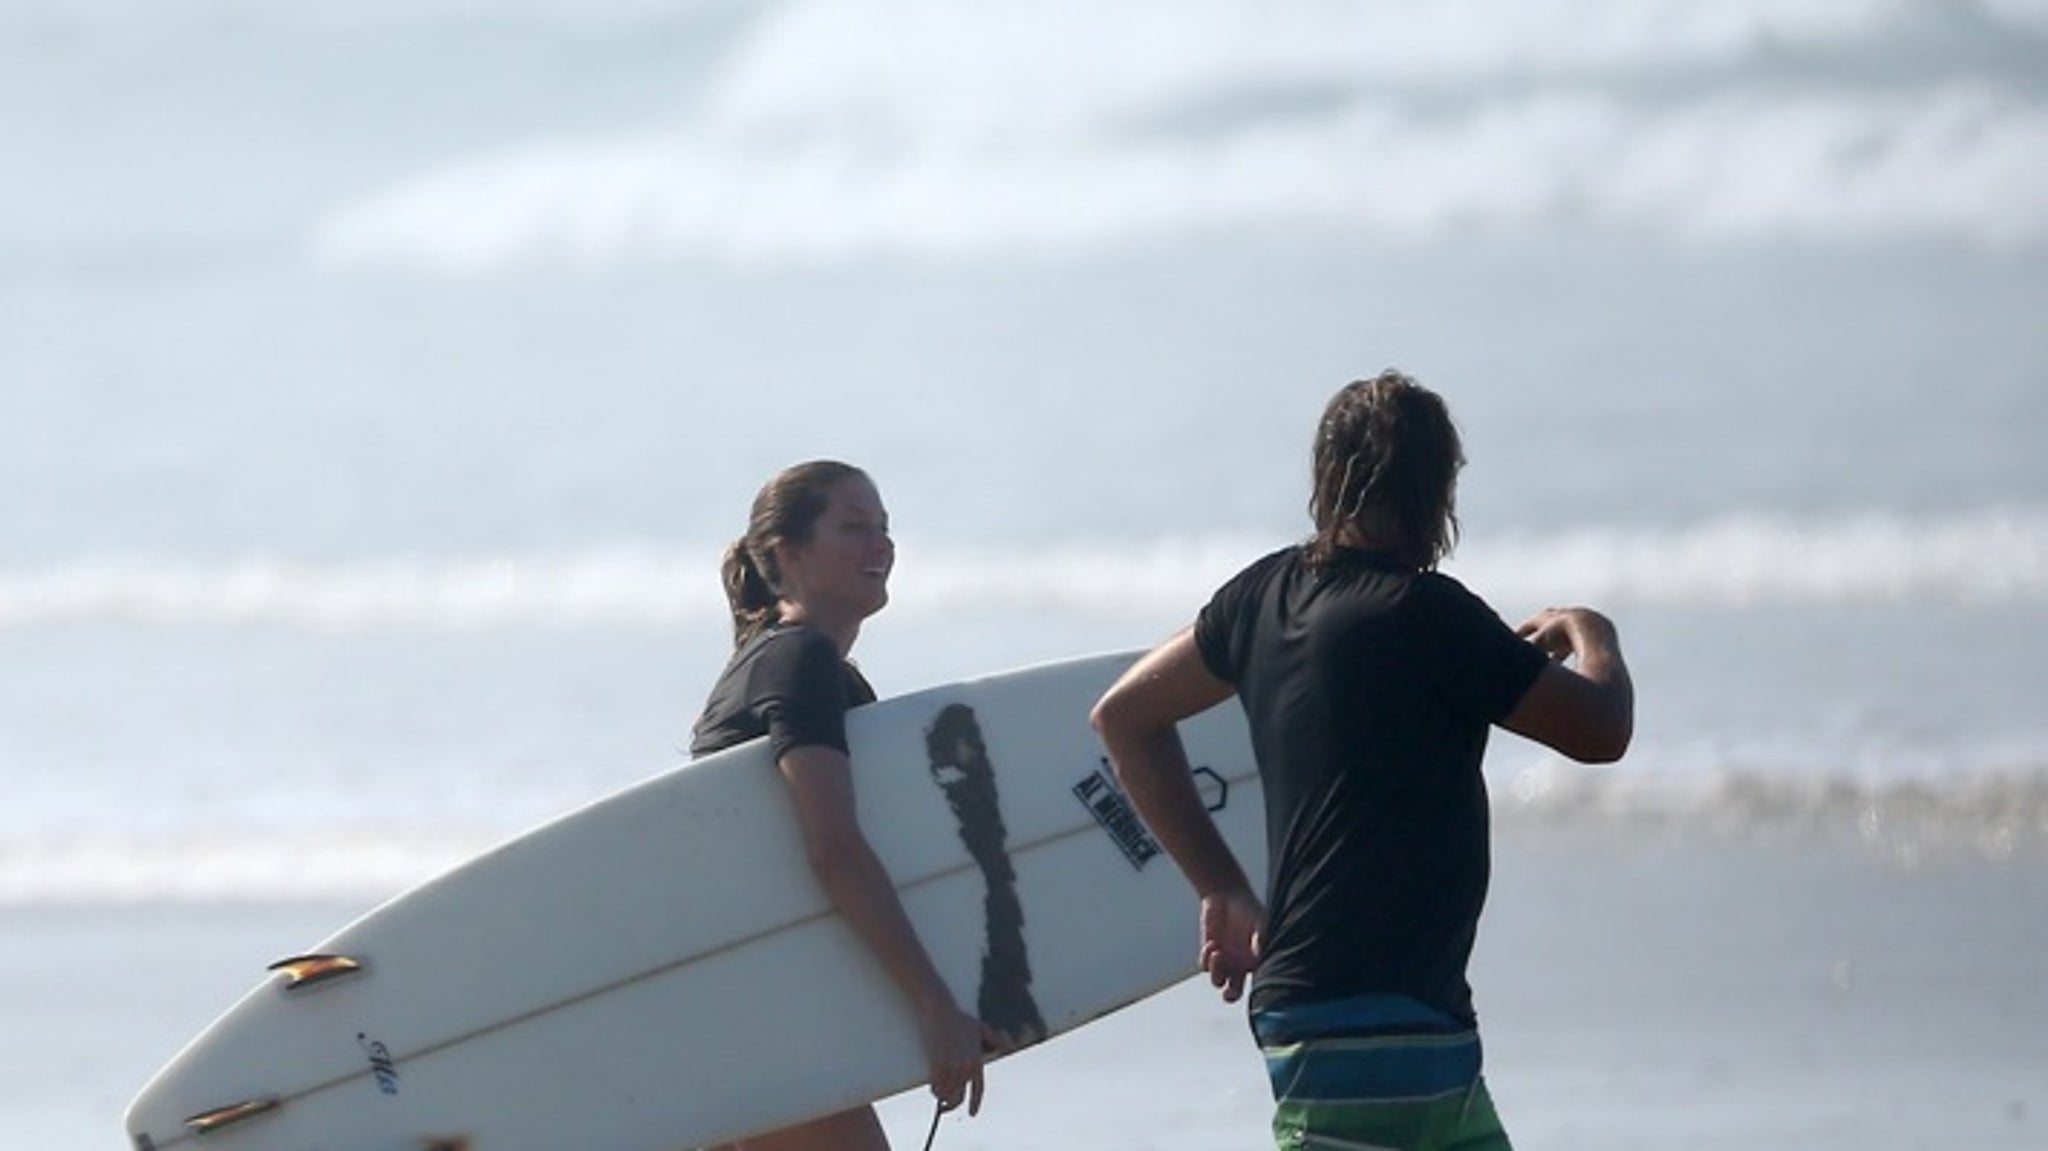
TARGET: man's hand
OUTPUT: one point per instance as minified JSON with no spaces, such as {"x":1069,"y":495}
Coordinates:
{"x":1233,"y":924}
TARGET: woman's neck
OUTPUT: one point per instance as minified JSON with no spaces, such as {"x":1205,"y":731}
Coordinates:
{"x":841,"y":633}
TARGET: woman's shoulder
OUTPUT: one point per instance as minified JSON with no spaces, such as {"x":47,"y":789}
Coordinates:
{"x":797,"y":635}
{"x":790,"y":645}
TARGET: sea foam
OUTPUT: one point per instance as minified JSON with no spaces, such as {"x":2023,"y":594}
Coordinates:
{"x":907,"y":128}
{"x":1989,"y":557}
{"x":1987,"y":816}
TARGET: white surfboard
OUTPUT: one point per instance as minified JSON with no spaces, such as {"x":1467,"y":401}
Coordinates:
{"x":660,"y":970}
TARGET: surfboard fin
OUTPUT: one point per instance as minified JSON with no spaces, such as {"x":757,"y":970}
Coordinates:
{"x":207,"y":1122}
{"x":302,"y":971}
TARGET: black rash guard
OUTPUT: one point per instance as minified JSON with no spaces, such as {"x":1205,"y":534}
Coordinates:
{"x":1370,"y":688}
{"x":789,"y":684}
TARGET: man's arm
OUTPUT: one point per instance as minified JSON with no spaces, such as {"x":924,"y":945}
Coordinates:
{"x":1584,"y":709}
{"x":1136,"y":719}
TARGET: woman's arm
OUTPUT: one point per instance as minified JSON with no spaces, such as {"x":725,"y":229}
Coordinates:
{"x":821,"y":783}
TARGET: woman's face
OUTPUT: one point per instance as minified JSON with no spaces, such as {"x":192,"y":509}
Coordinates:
{"x":841,"y":573}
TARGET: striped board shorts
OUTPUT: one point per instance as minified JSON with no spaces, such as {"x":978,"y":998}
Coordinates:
{"x":1376,"y":1073}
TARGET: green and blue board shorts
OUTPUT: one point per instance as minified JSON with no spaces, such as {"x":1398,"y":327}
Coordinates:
{"x":1376,"y":1073}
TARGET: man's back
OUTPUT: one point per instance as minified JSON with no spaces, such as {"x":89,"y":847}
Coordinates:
{"x":1370,"y":688}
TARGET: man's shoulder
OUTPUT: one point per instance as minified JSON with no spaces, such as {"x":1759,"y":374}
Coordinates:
{"x":1273,"y":563}
{"x":1442,"y":590}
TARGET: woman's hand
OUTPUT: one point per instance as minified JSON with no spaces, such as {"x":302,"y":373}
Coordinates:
{"x":955,"y":1047}
{"x":821,"y":780}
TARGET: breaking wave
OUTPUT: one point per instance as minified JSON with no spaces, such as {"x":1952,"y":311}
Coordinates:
{"x":1998,"y":814}
{"x":843,"y":128}
{"x":1985,"y":817}
{"x":1989,"y":557}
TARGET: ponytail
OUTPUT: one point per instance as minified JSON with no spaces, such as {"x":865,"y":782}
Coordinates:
{"x":754,"y":603}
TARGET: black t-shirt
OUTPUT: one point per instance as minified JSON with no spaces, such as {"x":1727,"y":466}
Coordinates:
{"x":789,"y":684}
{"x":1370,"y":689}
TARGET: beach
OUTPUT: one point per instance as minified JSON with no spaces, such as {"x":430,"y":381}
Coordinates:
{"x":1669,"y":989}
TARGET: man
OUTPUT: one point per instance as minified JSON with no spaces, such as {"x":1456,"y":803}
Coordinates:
{"x":1370,"y":682}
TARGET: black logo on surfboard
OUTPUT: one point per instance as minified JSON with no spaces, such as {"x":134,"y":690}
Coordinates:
{"x":1111,"y":808}
{"x":383,"y":1068}
{"x":961,"y":767}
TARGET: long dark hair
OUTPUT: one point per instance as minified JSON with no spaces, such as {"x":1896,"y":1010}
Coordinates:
{"x":785,"y":511}
{"x":1387,"y":444}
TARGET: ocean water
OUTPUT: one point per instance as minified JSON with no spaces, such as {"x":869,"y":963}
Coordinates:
{"x":380,"y":381}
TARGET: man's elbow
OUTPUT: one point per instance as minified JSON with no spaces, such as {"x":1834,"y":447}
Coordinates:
{"x":1584,"y":720}
{"x":1110,"y":718}
{"x":1119,"y":732}
{"x":1601,"y":752}
{"x":1108,"y":727}
{"x":1603,"y":743}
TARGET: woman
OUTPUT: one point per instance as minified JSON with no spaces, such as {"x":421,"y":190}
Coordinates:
{"x":1370,"y":682}
{"x":813,"y":565}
